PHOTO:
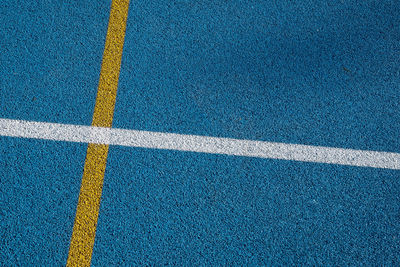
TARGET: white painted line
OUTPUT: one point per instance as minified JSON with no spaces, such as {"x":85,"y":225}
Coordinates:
{"x":195,"y":143}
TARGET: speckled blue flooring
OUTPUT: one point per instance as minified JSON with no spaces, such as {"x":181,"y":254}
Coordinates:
{"x":304,"y":72}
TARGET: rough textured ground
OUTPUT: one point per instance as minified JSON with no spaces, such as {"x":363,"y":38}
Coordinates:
{"x":321,"y":73}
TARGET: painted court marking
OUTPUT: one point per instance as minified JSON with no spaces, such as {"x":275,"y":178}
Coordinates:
{"x":100,"y":136}
{"x":194,"y":143}
{"x":87,"y":212}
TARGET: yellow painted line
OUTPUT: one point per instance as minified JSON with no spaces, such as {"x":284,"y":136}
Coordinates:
{"x":110,"y":67}
{"x":84,"y":230}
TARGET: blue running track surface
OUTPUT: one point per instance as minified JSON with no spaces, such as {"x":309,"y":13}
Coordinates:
{"x":308,"y":72}
{"x":178,"y":208}
{"x":50,"y":59}
{"x":323,"y":73}
{"x":39,"y":188}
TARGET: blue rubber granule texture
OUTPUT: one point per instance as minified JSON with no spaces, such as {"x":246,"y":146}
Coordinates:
{"x":188,"y":209}
{"x":50,"y":59}
{"x":39,"y":189}
{"x":309,"y":72}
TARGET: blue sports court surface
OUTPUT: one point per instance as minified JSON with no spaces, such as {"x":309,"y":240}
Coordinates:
{"x":244,"y":133}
